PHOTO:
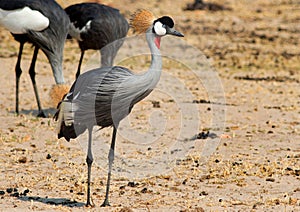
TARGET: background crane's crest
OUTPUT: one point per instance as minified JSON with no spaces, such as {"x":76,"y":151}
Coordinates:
{"x":141,"y":20}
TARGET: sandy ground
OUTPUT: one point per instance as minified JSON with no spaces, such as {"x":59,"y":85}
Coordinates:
{"x":234,"y":74}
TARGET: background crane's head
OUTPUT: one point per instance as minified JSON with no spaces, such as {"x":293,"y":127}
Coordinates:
{"x":142,"y":20}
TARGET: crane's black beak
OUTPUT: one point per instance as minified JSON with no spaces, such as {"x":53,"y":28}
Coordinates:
{"x":172,"y":31}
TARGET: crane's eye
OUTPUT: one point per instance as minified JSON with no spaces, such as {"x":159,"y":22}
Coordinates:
{"x":159,"y":28}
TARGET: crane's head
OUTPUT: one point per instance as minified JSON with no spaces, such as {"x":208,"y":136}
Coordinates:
{"x":142,"y":20}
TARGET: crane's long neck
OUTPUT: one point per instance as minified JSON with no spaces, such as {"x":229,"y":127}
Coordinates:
{"x":154,"y":72}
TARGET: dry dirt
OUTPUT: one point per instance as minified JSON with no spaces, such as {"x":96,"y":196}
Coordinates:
{"x":253,"y":49}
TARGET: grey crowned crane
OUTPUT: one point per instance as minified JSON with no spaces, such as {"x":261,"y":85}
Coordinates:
{"x":95,"y":26}
{"x":104,"y":96}
{"x":42,"y":23}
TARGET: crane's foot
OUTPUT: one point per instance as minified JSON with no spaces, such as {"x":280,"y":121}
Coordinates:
{"x":41,"y":114}
{"x":105,"y":203}
{"x":88,"y":204}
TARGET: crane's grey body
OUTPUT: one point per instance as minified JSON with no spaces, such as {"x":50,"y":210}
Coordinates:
{"x":105,"y":96}
{"x":50,"y":40}
{"x":96,"y":26}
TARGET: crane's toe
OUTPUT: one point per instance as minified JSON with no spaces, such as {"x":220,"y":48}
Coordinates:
{"x":88,"y":204}
{"x":41,"y":114}
{"x":105,"y":203}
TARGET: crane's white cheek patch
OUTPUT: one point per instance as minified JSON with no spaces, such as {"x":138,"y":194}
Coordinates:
{"x":159,"y":29}
{"x":20,"y":20}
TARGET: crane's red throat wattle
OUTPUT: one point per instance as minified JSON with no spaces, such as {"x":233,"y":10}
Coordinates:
{"x":157,"y":42}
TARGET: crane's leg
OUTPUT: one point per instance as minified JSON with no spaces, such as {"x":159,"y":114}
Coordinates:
{"x":32,"y":76}
{"x":89,"y":161}
{"x":111,"y":156}
{"x":18,"y":75}
{"x":79,"y":64}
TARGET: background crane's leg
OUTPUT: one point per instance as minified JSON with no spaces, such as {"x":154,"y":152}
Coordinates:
{"x":18,"y":75}
{"x":107,"y":55}
{"x":89,"y":161}
{"x":111,"y":156}
{"x":32,"y":76}
{"x":109,"y":52}
{"x":79,"y":65}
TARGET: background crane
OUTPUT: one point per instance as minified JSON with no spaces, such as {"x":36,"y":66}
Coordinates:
{"x":201,"y":5}
{"x":106,"y":95}
{"x":42,"y":23}
{"x":94,"y":26}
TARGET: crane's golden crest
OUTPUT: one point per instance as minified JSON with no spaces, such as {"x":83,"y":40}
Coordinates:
{"x":141,"y":20}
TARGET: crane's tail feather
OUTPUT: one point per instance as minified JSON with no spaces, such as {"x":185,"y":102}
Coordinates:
{"x":65,"y":120}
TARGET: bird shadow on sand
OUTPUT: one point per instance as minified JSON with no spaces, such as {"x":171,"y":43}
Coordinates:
{"x":53,"y":201}
{"x":49,"y":112}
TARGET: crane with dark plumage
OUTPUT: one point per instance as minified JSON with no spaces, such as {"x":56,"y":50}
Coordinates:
{"x":104,"y":96}
{"x":95,"y":26}
{"x":45,"y":25}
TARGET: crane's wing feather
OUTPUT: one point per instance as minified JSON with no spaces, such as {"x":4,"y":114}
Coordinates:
{"x":106,"y":95}
{"x":103,"y":97}
{"x":93,"y":92}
